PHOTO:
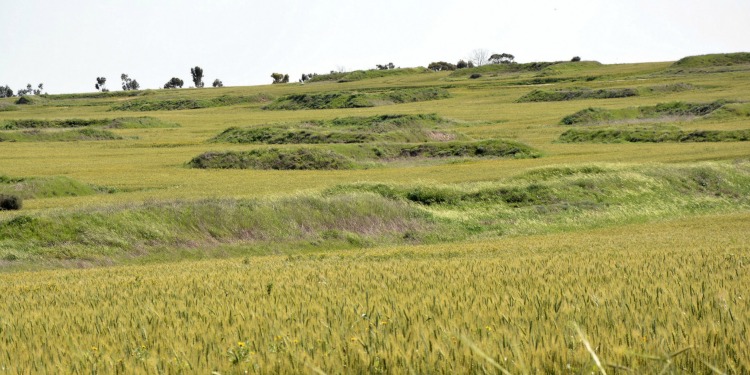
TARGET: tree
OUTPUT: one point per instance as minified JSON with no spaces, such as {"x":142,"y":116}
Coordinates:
{"x":479,"y":56}
{"x":441,"y":65}
{"x":280,"y":78}
{"x":218,"y":83}
{"x":100,"y":82}
{"x":128,"y":83}
{"x":30,"y":90}
{"x":174,"y":83}
{"x":386,"y":66}
{"x":462,"y":64}
{"x":197,"y":74}
{"x":502,"y":58}
{"x":6,"y":91}
{"x":575,"y":59}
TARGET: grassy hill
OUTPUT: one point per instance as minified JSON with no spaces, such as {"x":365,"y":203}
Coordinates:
{"x":527,"y":220}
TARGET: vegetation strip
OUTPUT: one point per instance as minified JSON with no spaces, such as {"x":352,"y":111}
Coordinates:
{"x":541,"y":201}
{"x":381,"y":128}
{"x":651,"y":134}
{"x":305,"y":158}
{"x":333,"y":100}
{"x":145,"y":105}
{"x":663,"y":110}
{"x":117,"y":123}
{"x":35,"y":135}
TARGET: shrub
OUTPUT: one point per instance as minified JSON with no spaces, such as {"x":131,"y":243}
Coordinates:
{"x":24,"y":100}
{"x":10,"y":202}
{"x":475,"y":76}
{"x":575,"y":59}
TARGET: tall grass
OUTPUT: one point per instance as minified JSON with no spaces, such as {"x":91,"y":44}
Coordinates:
{"x":647,"y":298}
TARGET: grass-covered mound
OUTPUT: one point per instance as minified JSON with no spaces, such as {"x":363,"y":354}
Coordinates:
{"x":657,"y":112}
{"x":582,"y":93}
{"x":713,"y":60}
{"x":358,"y":75}
{"x":36,"y":135}
{"x":650,"y":134}
{"x":539,"y":201}
{"x":560,"y":95}
{"x":117,"y":123}
{"x":273,"y":158}
{"x":45,"y":187}
{"x":7,"y":107}
{"x":358,"y":156}
{"x":333,"y":100}
{"x":498,"y":69}
{"x":145,"y":105}
{"x":497,"y":148}
{"x":551,"y":191}
{"x":346,"y":219}
{"x":382,"y":128}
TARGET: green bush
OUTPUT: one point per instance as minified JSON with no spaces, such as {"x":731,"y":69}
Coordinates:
{"x":10,"y":202}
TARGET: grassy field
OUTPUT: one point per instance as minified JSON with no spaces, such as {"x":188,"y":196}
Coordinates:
{"x":543,"y":218}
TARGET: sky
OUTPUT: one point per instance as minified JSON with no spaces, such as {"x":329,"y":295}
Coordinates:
{"x":67,"y":44}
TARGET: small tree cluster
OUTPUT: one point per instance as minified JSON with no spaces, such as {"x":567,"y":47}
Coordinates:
{"x":307,"y":77}
{"x":386,"y":66}
{"x":218,"y":83}
{"x":197,"y":74}
{"x":29,"y":90}
{"x":463,"y":64}
{"x":501,"y":58}
{"x":441,"y":65}
{"x":128,"y":83}
{"x":100,"y":82}
{"x":174,"y":83}
{"x":6,"y":91}
{"x":280,"y":78}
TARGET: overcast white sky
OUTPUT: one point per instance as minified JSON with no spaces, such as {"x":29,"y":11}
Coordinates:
{"x":67,"y":44}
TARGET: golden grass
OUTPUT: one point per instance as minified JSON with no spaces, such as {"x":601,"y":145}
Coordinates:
{"x":637,"y":292}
